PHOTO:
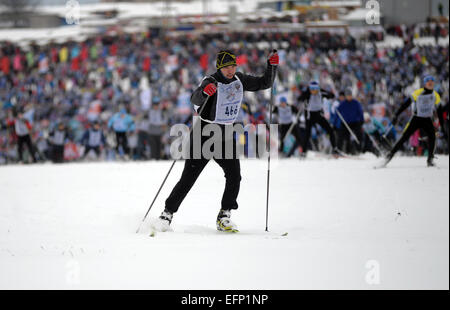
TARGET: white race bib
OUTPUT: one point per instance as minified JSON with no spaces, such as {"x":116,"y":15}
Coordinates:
{"x":58,"y":137}
{"x":285,"y":115}
{"x":425,"y":105}
{"x":315,"y":103}
{"x":95,"y":137}
{"x":229,"y":100}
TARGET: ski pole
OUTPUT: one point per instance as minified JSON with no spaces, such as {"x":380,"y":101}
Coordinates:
{"x":312,"y":144}
{"x":384,"y":136}
{"x":167,"y":175}
{"x":375,"y":144}
{"x":347,"y":126}
{"x":387,"y":131}
{"x":293,"y":124}
{"x":387,"y":141}
{"x":273,"y":89}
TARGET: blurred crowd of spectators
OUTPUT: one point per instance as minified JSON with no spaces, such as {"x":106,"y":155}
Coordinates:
{"x":150,"y":78}
{"x":415,"y":31}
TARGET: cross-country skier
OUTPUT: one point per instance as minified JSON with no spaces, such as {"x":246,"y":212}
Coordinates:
{"x":424,"y":102}
{"x":157,"y":123}
{"x":122,"y":123}
{"x":286,"y":114}
{"x":443,"y":115}
{"x":57,"y":139}
{"x":93,"y":139}
{"x":225,"y":89}
{"x":22,"y":129}
{"x":313,"y":96}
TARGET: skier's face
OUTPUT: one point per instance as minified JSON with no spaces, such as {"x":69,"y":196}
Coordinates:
{"x":429,"y":84}
{"x":228,"y":71}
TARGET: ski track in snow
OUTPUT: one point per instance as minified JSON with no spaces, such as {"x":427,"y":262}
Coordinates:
{"x":72,"y":226}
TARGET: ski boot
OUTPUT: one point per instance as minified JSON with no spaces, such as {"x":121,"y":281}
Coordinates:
{"x":224,"y":222}
{"x":162,"y":223}
{"x":430,"y":162}
{"x":336,"y":153}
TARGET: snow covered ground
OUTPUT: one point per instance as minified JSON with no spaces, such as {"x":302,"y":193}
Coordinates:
{"x":349,"y":226}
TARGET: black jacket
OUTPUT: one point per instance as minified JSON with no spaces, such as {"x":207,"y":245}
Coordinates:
{"x":306,"y":94}
{"x":293,"y":109}
{"x":249,"y":82}
{"x":408,"y":102}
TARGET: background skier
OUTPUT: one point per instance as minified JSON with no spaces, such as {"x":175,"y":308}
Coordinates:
{"x":425,"y":100}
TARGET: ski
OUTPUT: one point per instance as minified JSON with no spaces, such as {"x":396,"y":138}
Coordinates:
{"x":380,"y":166}
{"x":229,"y":231}
{"x":341,"y":154}
{"x":337,"y":156}
{"x":153,"y":233}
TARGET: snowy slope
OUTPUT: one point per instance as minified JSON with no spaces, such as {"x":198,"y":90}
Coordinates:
{"x":350,"y":227}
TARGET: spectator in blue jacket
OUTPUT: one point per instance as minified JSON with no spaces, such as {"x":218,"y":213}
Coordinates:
{"x":352,"y":112}
{"x":122,"y":123}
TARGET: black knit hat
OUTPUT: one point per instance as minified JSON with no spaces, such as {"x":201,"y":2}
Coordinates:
{"x":224,"y":59}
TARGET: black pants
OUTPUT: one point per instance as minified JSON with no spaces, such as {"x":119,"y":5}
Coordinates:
{"x":25,"y":140}
{"x":414,"y":124}
{"x":193,"y":169}
{"x":318,"y":118}
{"x":88,"y":148}
{"x":122,"y":140}
{"x":143,"y":141}
{"x":369,"y":146}
{"x":155,"y":146}
{"x":344,"y":138}
{"x":284,"y":128}
{"x":57,"y":153}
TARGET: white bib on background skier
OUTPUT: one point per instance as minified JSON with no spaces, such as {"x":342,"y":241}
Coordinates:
{"x":424,"y":104}
{"x":315,"y":103}
{"x":95,"y":137}
{"x":285,"y":115}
